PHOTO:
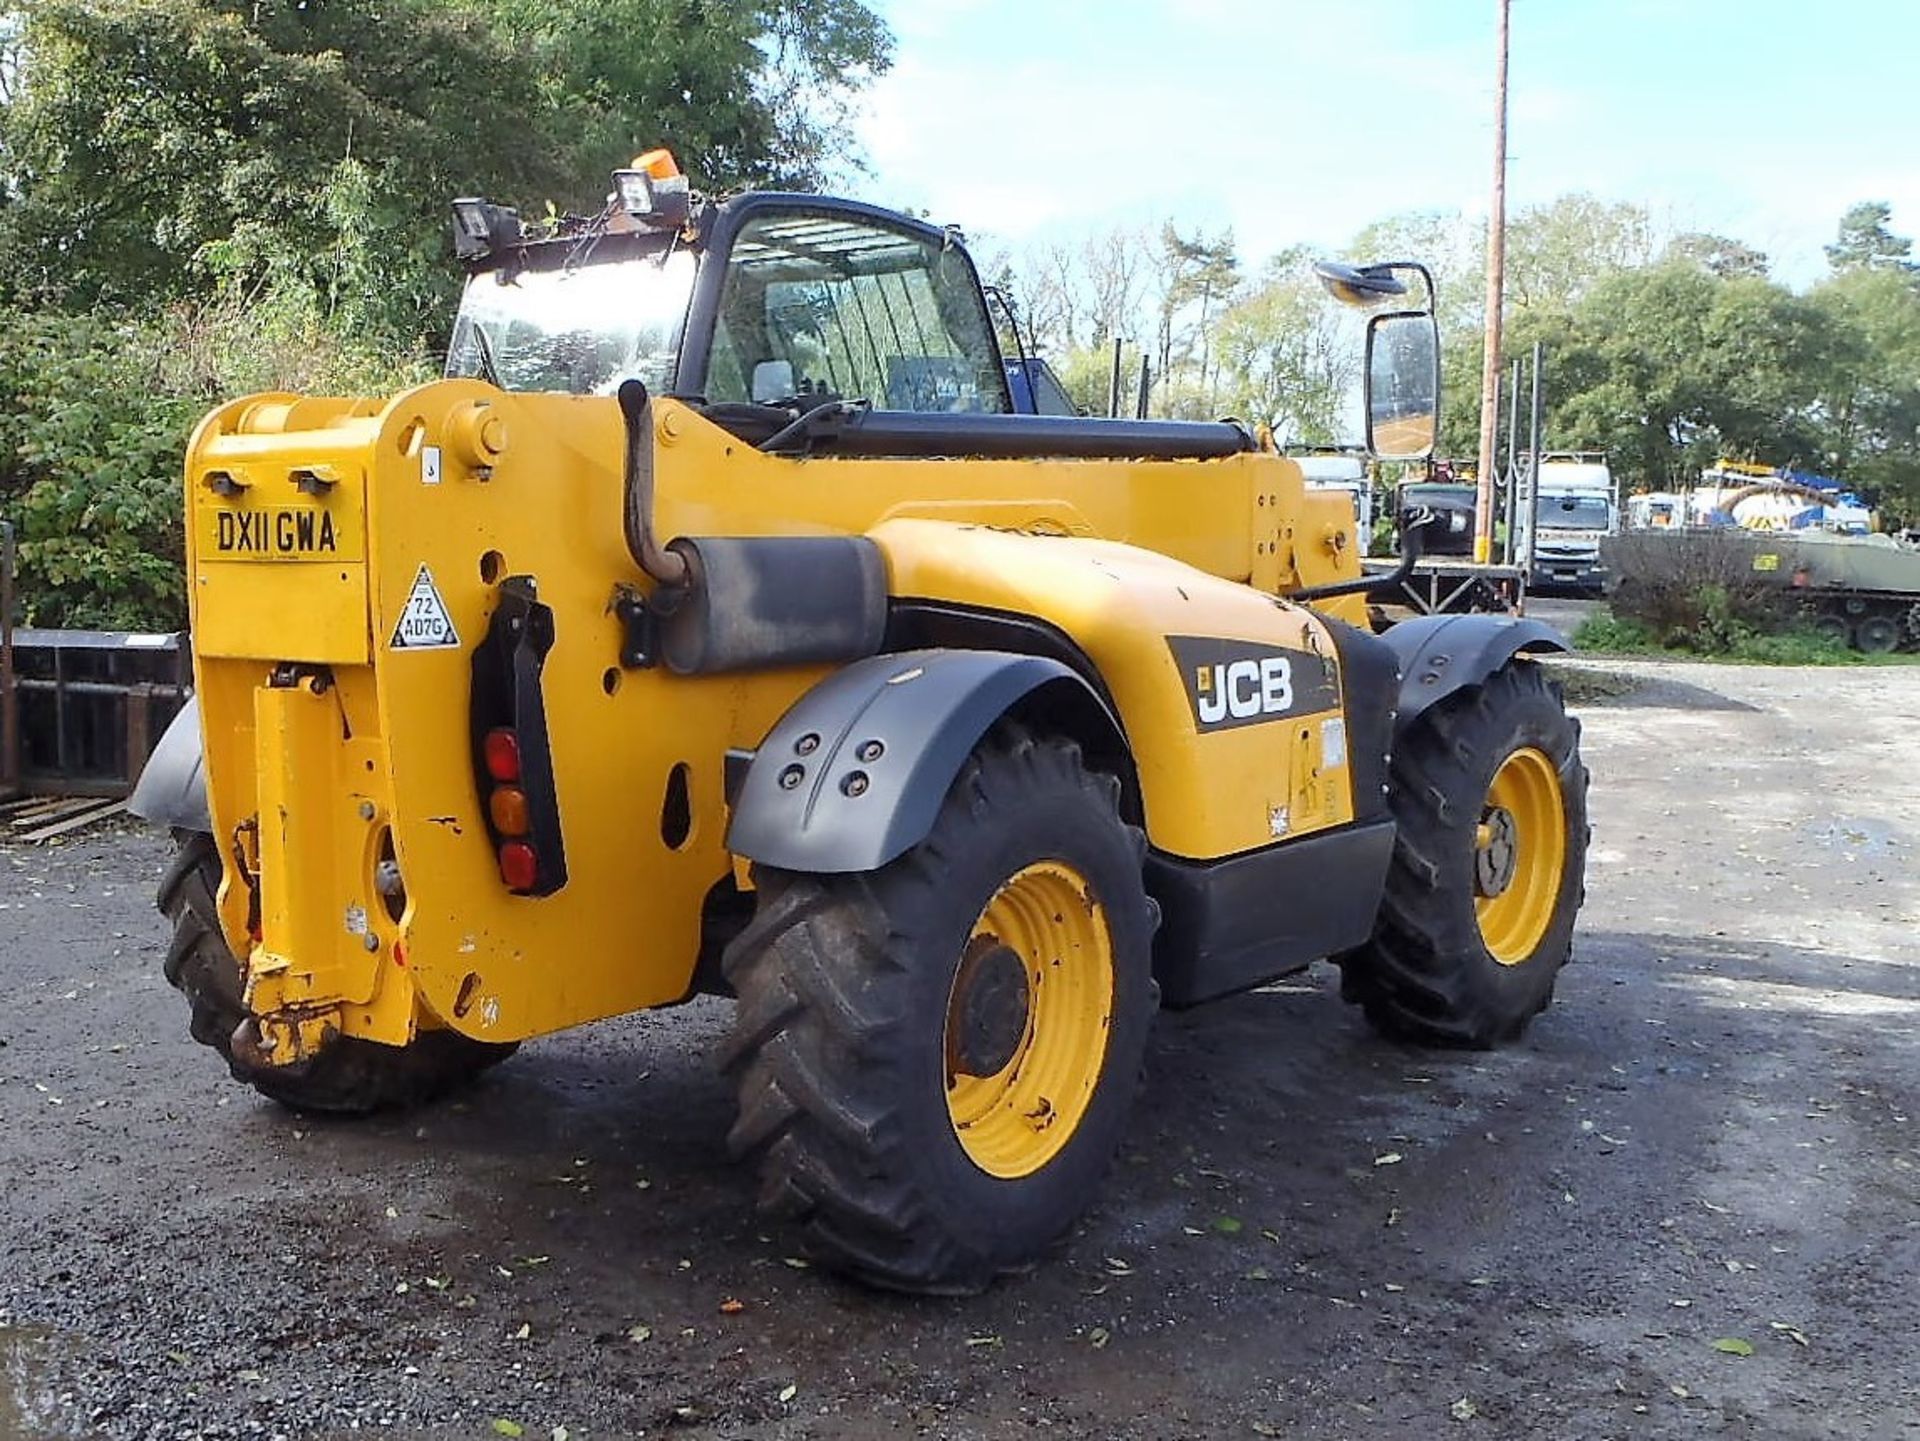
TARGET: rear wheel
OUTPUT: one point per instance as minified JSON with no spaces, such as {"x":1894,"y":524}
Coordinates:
{"x":936,"y":1059}
{"x":350,"y":1076}
{"x":1490,"y":799}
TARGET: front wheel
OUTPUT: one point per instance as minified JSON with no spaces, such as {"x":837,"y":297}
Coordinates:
{"x":936,"y":1059}
{"x":1489,"y":797}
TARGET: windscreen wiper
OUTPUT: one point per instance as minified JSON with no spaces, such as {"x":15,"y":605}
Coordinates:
{"x":489,"y":371}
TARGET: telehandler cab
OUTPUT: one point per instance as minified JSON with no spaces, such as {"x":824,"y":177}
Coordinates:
{"x":715,"y":627}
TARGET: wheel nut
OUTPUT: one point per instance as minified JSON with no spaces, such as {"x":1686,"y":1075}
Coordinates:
{"x":807,"y":744}
{"x":792,"y":776}
{"x":870,"y":751}
{"x":372,"y":941}
{"x":855,"y":783}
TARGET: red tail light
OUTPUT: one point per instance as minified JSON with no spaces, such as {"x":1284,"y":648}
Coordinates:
{"x":519,"y":867}
{"x":503,"y":755}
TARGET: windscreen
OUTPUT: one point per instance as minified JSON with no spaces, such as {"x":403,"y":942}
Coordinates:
{"x":826,"y":303}
{"x":581,"y":329}
{"x":1575,"y":512}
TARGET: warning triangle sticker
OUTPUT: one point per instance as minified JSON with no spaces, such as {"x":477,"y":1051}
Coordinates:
{"x":424,"y":621}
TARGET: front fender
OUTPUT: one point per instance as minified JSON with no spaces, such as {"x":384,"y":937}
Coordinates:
{"x":1440,"y":654}
{"x":855,"y":772}
{"x":172,"y":789}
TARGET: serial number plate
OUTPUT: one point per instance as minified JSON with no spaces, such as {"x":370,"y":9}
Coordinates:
{"x":280,"y":532}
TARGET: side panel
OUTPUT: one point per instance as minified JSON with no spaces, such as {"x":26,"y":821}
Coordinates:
{"x":1230,"y":700}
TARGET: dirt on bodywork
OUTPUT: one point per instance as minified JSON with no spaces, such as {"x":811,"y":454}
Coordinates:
{"x":1687,"y":1204}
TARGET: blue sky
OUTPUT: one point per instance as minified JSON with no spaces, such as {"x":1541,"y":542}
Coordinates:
{"x":1035,"y":120}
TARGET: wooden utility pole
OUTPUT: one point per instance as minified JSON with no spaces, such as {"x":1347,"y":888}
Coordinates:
{"x":1496,"y":289}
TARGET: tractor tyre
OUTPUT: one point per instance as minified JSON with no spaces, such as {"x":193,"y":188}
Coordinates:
{"x":936,"y":1059}
{"x":1488,"y":869}
{"x":351,"y":1076}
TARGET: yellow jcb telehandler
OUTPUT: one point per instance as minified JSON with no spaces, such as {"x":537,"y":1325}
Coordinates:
{"x":714,"y":627}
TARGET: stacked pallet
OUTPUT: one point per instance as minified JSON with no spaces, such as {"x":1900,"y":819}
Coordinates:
{"x":43,"y":818}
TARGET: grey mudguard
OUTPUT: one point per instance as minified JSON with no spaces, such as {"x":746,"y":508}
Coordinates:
{"x":855,"y":772}
{"x":1439,"y":654}
{"x":172,"y":790}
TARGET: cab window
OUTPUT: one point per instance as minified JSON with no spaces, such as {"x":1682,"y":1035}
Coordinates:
{"x":832,"y":305}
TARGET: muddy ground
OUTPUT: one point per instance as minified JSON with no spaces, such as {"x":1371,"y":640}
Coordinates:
{"x":1710,"y":1140}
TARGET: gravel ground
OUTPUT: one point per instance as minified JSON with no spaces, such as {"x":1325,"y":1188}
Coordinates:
{"x":1709,"y":1139}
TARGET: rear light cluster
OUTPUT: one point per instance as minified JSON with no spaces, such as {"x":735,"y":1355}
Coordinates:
{"x":512,"y":754}
{"x":507,"y":809}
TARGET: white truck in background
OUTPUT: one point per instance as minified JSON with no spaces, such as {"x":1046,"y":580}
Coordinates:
{"x":1576,"y":507}
{"x":1347,"y":473}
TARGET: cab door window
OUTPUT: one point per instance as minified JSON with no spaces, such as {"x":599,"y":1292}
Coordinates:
{"x":822,"y":304}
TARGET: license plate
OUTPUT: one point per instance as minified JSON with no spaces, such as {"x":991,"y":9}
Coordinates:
{"x":277,"y":532}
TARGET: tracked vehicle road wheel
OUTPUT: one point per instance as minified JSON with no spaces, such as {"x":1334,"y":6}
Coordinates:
{"x":1487,"y":876}
{"x":936,"y":1059}
{"x":1878,"y":634}
{"x":350,"y":1077}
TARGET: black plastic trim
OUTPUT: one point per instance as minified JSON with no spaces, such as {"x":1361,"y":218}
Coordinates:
{"x":172,"y":789}
{"x":1439,"y":654}
{"x":1369,"y":691}
{"x":1233,"y":924}
{"x":855,"y":772}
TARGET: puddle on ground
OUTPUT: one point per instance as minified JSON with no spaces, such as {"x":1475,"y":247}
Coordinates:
{"x":1857,"y":835}
{"x":26,"y":1400}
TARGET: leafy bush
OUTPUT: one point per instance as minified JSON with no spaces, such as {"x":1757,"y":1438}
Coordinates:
{"x":1606,"y":633}
{"x":1695,"y":590}
{"x":99,"y":408}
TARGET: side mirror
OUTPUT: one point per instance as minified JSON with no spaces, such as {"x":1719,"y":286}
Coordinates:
{"x":1403,"y":385}
{"x":772,"y":381}
{"x":1361,"y":286}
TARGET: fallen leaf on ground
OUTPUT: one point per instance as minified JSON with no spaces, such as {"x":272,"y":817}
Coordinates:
{"x":1099,"y":1336}
{"x":985,"y":1341}
{"x":526,"y":1330}
{"x":1227,"y":1225}
{"x":788,"y":1392}
{"x":639,"y":1333}
{"x":1391,"y":1158}
{"x":731,"y":1307}
{"x":503,"y":1427}
{"x":1463,"y":1410}
{"x":1733,"y":1346}
{"x":1794,"y":1333}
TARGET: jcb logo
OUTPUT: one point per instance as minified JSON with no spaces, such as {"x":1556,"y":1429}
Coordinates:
{"x":1244,"y":689}
{"x":1238,"y":682}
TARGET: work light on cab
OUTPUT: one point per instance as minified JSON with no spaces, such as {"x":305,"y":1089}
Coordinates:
{"x":653,"y":191}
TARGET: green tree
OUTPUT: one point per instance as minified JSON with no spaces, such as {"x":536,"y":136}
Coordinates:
{"x":204,"y":197}
{"x":1866,"y":242}
{"x":1289,"y":355}
{"x":1718,"y":255}
{"x":1871,"y":400}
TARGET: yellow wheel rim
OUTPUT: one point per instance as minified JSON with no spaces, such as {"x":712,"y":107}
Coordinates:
{"x":1027,"y":1020}
{"x":1519,"y":856}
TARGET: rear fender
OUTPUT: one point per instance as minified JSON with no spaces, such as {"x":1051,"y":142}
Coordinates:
{"x":172,"y":790}
{"x":1440,"y":654}
{"x":854,"y":774}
